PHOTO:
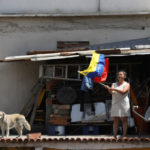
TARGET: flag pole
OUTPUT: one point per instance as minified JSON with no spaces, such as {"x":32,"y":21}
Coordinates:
{"x":104,"y":85}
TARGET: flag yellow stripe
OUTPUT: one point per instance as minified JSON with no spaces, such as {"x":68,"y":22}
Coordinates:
{"x":93,"y":64}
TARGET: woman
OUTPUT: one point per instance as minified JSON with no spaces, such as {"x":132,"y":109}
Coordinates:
{"x":120,"y":102}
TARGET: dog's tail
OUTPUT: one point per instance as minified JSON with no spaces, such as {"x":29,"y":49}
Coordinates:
{"x":27,"y":125}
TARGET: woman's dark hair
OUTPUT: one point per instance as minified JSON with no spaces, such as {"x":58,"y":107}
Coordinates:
{"x":125,"y":74}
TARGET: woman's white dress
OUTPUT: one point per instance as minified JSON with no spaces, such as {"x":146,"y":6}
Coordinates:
{"x":120,"y":103}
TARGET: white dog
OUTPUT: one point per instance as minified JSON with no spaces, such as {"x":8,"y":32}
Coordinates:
{"x":16,"y":121}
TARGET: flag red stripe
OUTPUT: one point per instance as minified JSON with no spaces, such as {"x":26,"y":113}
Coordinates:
{"x":104,"y":75}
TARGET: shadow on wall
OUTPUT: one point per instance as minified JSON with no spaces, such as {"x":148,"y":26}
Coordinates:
{"x":17,"y":79}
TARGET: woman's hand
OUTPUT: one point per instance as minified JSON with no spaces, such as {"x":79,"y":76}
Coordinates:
{"x":111,"y":90}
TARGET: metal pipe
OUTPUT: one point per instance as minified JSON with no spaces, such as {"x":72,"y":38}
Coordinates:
{"x":133,"y":109}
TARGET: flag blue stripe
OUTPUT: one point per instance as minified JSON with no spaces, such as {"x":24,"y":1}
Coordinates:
{"x":100,"y":65}
{"x":99,"y":69}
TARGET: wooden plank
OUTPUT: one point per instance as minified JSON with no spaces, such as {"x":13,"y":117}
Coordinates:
{"x":31,"y":98}
{"x":40,"y":120}
{"x":49,"y":111}
{"x":56,"y":110}
{"x":58,"y":122}
{"x":34,"y":136}
{"x":35,"y":105}
{"x":25,"y":111}
{"x":133,"y":97}
{"x":109,"y":51}
{"x":49,"y":101}
{"x":41,"y":97}
{"x":18,"y":148}
{"x":52,"y":149}
{"x":53,"y":116}
{"x":64,"y":107}
{"x":72,"y":44}
{"x":59,"y":119}
{"x":40,"y":111}
{"x":30,"y":56}
{"x":55,"y":51}
{"x":53,"y":58}
{"x":50,"y":84}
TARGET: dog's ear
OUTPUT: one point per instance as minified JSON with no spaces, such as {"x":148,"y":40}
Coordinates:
{"x":2,"y":115}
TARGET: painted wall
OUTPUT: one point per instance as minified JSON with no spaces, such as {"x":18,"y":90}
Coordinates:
{"x":18,"y":35}
{"x":73,"y":6}
{"x":125,"y":6}
{"x":17,"y":80}
{"x":48,"y":6}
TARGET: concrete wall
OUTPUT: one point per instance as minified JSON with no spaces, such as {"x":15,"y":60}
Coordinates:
{"x":17,"y":80}
{"x":48,"y":6}
{"x":125,"y":6}
{"x":73,"y":6}
{"x":18,"y":35}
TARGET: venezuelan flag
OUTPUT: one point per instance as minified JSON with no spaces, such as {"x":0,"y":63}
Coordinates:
{"x":96,"y":68}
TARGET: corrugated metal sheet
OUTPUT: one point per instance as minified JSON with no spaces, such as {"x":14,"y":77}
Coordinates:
{"x":66,"y":55}
{"x":115,"y":49}
{"x":122,"y":44}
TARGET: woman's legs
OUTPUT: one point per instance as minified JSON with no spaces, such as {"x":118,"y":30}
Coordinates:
{"x":125,"y":125}
{"x":115,"y":125}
